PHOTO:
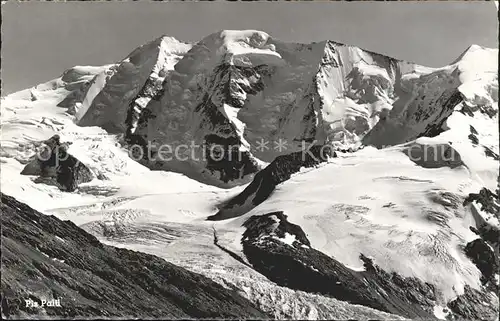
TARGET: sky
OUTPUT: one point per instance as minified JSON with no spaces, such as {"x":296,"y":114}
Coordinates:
{"x":42,"y":39}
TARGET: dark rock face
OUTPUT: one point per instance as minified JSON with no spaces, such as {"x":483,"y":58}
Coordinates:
{"x":483,"y":109}
{"x":448,"y":102}
{"x":433,"y":156}
{"x":490,"y":202}
{"x":474,"y":305}
{"x":234,"y":86}
{"x":263,"y":226}
{"x":211,"y":129}
{"x":484,"y":253}
{"x":152,"y":89}
{"x":45,"y":258}
{"x":483,"y":257}
{"x":298,"y":266}
{"x":225,"y":158}
{"x":490,"y":153}
{"x":229,"y":85}
{"x":490,"y":234}
{"x":473,"y":136}
{"x":56,"y":163}
{"x":279,"y":171}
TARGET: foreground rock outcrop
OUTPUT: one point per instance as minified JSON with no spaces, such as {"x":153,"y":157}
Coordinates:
{"x":44,"y":258}
{"x":55,"y":163}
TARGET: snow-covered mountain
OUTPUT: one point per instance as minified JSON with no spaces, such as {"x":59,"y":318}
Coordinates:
{"x":387,"y":198}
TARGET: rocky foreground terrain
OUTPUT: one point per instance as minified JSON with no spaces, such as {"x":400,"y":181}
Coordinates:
{"x":44,"y":258}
